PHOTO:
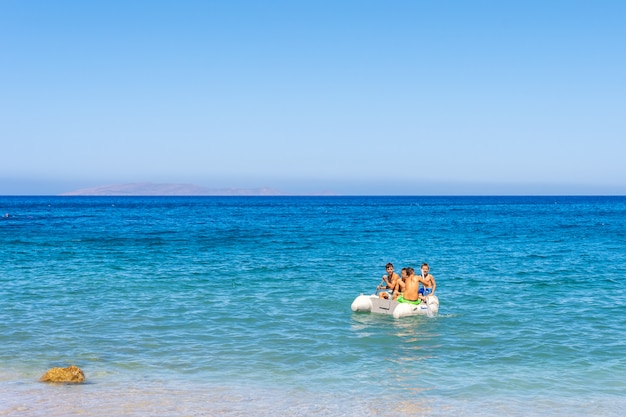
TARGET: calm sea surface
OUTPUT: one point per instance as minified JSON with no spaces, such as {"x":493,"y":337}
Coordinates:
{"x":228,"y":306}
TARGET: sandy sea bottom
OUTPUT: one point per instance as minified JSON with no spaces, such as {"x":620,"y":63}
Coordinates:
{"x":106,"y":396}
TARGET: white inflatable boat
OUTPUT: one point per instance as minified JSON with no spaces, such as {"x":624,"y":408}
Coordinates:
{"x":374,"y":304}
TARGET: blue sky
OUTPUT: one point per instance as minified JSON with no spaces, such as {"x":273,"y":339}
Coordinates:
{"x":353,"y":97}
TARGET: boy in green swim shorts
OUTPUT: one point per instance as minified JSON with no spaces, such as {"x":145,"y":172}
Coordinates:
{"x":411,"y":288}
{"x":401,"y":299}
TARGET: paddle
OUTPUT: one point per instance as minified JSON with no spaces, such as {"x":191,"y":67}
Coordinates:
{"x":382,"y":286}
{"x":429,"y":312}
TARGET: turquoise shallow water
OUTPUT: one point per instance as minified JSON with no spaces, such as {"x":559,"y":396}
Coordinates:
{"x":241,"y":306}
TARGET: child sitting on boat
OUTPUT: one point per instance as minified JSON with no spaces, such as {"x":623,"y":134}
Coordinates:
{"x":391,"y":282}
{"x":428,"y":283}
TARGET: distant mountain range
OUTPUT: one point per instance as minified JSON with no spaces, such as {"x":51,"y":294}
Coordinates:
{"x":151,"y":189}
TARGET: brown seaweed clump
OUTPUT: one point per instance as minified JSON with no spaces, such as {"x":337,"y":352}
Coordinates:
{"x":70,"y":375}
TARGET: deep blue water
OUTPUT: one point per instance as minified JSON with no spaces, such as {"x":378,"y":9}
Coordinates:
{"x":241,"y":305}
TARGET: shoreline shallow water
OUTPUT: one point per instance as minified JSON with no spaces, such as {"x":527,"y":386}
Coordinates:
{"x":241,"y":306}
{"x":176,"y":398}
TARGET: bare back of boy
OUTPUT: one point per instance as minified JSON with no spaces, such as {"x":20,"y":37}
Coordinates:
{"x":411,"y":286}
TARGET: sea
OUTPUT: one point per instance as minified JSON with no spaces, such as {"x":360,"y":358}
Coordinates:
{"x":240,"y":306}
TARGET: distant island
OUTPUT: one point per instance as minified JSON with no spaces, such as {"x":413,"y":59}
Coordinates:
{"x":151,"y":189}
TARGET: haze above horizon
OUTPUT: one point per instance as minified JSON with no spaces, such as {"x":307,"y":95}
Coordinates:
{"x":345,"y":97}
